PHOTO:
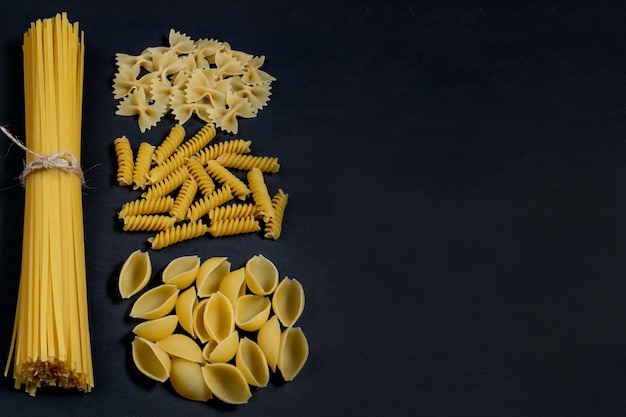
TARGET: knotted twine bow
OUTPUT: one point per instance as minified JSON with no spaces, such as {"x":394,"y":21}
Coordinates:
{"x":64,"y":160}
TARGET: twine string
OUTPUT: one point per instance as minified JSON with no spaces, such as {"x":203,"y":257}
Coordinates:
{"x":64,"y":160}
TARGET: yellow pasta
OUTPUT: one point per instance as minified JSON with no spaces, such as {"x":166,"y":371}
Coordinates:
{"x":185,"y":306}
{"x":210,"y":275}
{"x":167,"y":184}
{"x":178,"y":233}
{"x":134,"y":274}
{"x":232,"y":211}
{"x":169,"y":144}
{"x":261,"y":275}
{"x":181,"y":271}
{"x":294,"y":351}
{"x":156,"y":329}
{"x":274,"y":225}
{"x":208,"y":202}
{"x":156,"y":302}
{"x":188,"y":381}
{"x":219,"y":317}
{"x":184,"y":198}
{"x":252,"y":363}
{"x":151,"y":360}
{"x":268,"y":339}
{"x":167,"y":167}
{"x":51,"y":344}
{"x":260,"y":195}
{"x":222,"y":351}
{"x":202,"y":177}
{"x":234,"y":226}
{"x":198,"y":141}
{"x":252,"y":311}
{"x":226,"y":382}
{"x":137,"y":103}
{"x":245,"y":162}
{"x":142,"y":165}
{"x":181,"y":346}
{"x":224,"y":176}
{"x":125,"y":161}
{"x":235,"y":146}
{"x":148,"y":222}
{"x":146,"y":206}
{"x":288,"y":301}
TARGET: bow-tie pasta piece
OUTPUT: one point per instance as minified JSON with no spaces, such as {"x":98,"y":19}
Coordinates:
{"x":136,"y":104}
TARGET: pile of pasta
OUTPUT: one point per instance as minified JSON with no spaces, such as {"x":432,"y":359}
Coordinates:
{"x":205,"y":78}
{"x":192,"y":188}
{"x":211,"y":331}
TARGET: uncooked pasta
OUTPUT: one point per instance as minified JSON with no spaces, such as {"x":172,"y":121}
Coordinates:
{"x":51,"y":341}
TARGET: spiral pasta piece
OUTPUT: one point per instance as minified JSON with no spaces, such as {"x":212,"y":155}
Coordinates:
{"x":198,"y":141}
{"x":165,"y":168}
{"x":274,"y":226}
{"x":202,"y":177}
{"x":260,"y":195}
{"x":125,"y":161}
{"x":235,"y":146}
{"x":247,"y":162}
{"x":208,"y":202}
{"x":223,"y":175}
{"x":234,"y":226}
{"x":146,"y":206}
{"x":142,"y":165}
{"x":184,"y":198}
{"x":232,"y":211}
{"x":169,"y":144}
{"x":167,"y":184}
{"x":148,"y":222}
{"x":178,"y":233}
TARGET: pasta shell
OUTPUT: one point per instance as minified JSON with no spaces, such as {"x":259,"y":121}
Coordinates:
{"x":219,"y":317}
{"x":251,"y":311}
{"x":182,"y":271}
{"x":187,"y":380}
{"x":156,"y":302}
{"x":268,"y":339}
{"x":294,"y":351}
{"x":210,"y":275}
{"x":227,"y":383}
{"x":233,"y":285}
{"x":288,"y":301}
{"x":223,"y":351}
{"x":185,"y":304}
{"x":156,"y":329}
{"x":261,"y":275}
{"x":135,"y":274}
{"x":151,"y":360}
{"x":252,"y":363}
{"x":199,"y":326}
{"x":181,"y":346}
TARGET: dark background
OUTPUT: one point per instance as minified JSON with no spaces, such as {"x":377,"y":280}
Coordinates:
{"x":457,"y":212}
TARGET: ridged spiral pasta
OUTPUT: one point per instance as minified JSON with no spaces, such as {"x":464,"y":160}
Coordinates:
{"x":260,"y":195}
{"x":247,"y":162}
{"x":232,"y":211}
{"x":209,"y":201}
{"x":223,"y":175}
{"x":234,"y":226}
{"x":148,"y":222}
{"x":184,"y":198}
{"x":142,"y":165}
{"x":274,"y":226}
{"x":169,"y":144}
{"x":202,"y":177}
{"x":198,"y":141}
{"x":161,"y":171}
{"x":167,"y":184}
{"x":147,"y":206}
{"x":125,"y":161}
{"x":236,"y":146}
{"x":178,"y":233}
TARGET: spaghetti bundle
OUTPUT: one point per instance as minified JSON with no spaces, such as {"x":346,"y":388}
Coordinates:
{"x":50,"y":344}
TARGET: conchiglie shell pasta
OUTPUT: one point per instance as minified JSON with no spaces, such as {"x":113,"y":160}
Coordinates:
{"x":233,"y":285}
{"x":199,"y":326}
{"x":151,"y":360}
{"x":227,"y":383}
{"x":219,"y":317}
{"x":187,"y":380}
{"x":220,"y":352}
{"x":181,"y":346}
{"x":156,"y":329}
{"x":135,"y":273}
{"x":288,"y":301}
{"x":252,"y":363}
{"x":210,"y":275}
{"x":294,"y":351}
{"x":156,"y":302}
{"x":251,"y":311}
{"x":261,"y":275}
{"x":182,"y":271}
{"x":185,"y":305}
{"x":268,"y":340}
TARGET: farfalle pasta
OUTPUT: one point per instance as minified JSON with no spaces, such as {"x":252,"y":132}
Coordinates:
{"x":218,"y":345}
{"x":205,"y":78}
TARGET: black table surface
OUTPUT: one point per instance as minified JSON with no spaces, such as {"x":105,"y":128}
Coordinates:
{"x":457,"y":203}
